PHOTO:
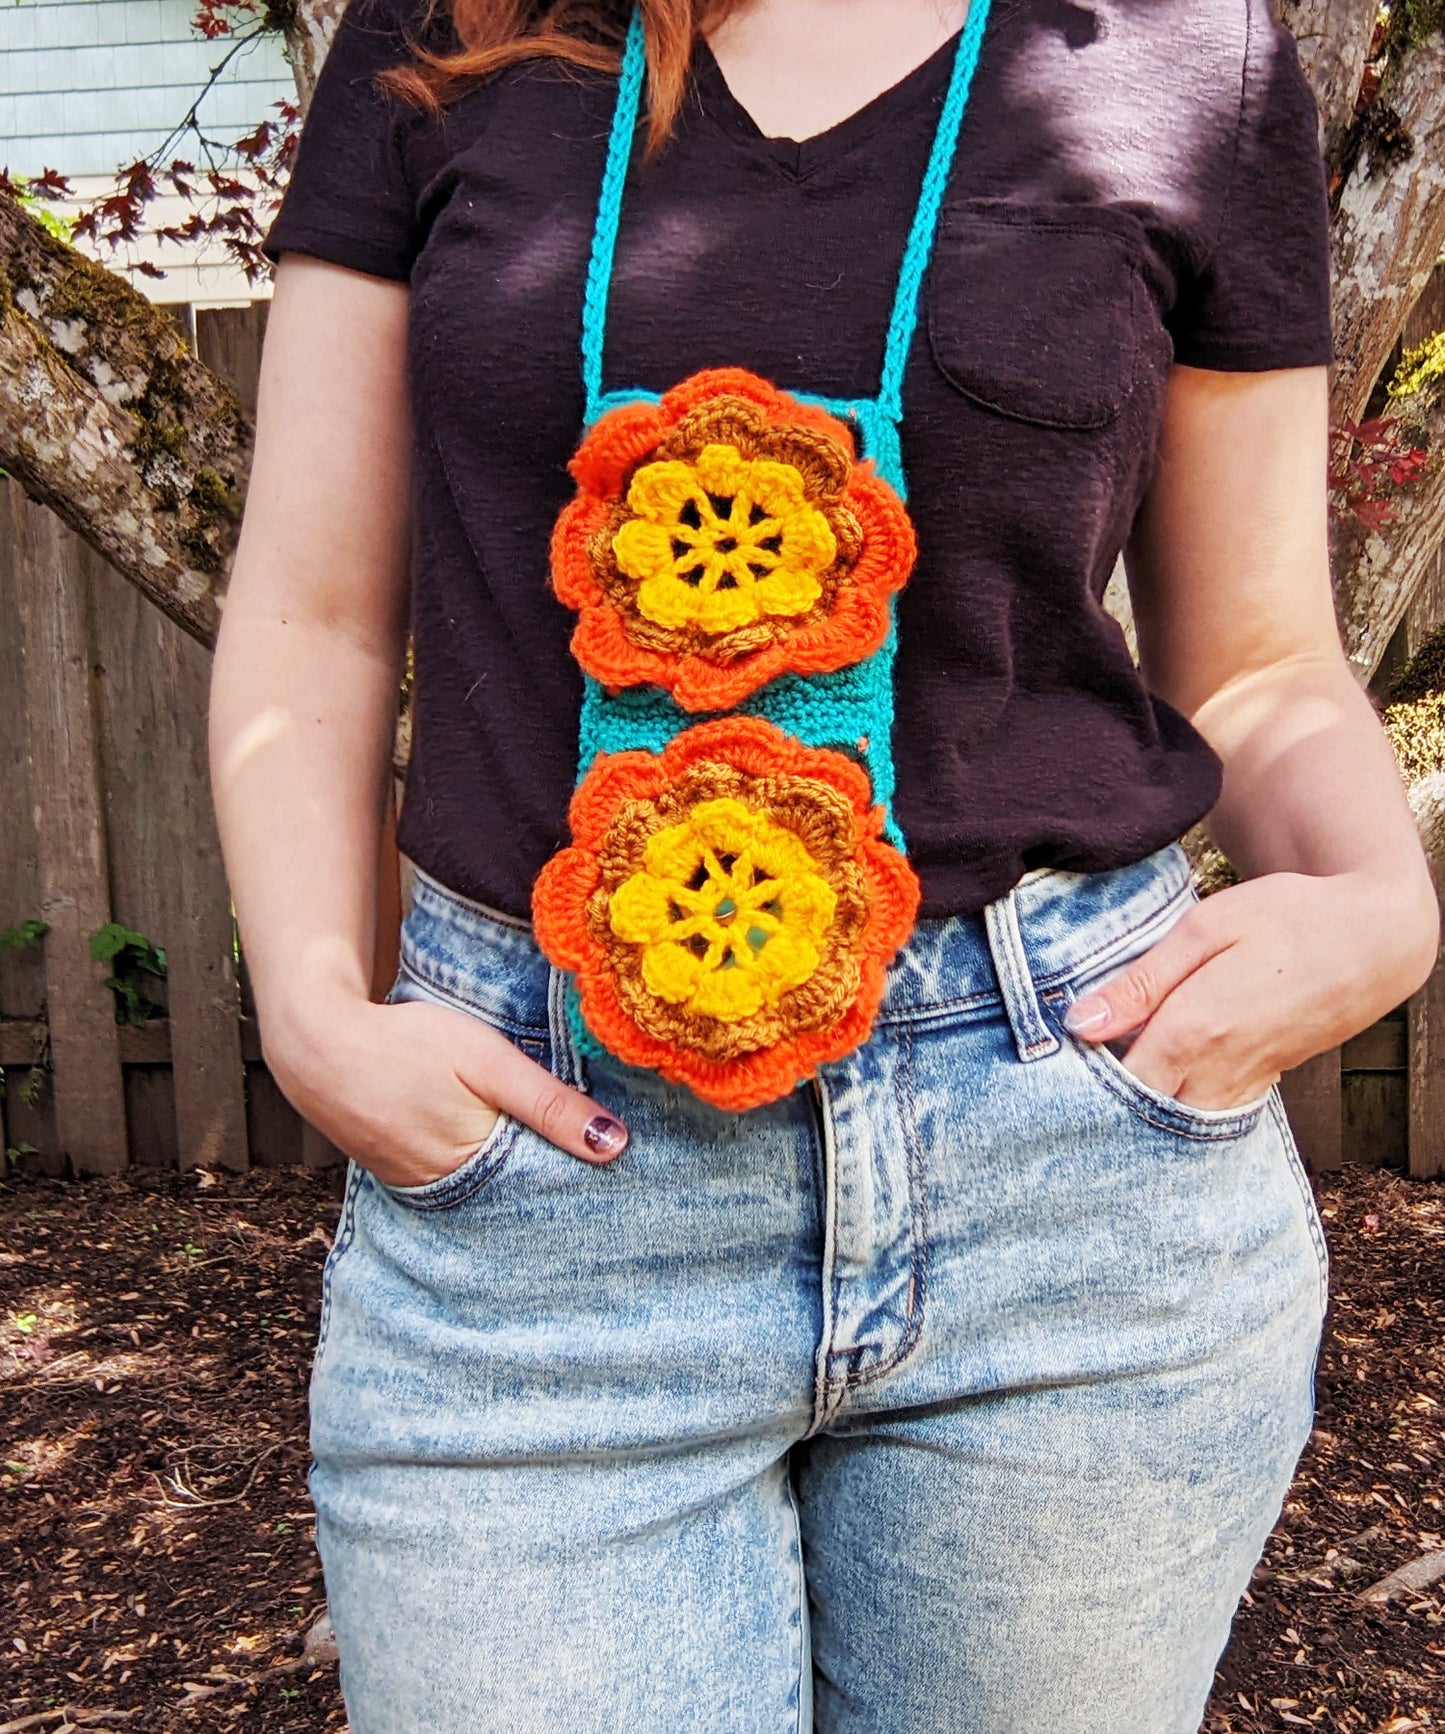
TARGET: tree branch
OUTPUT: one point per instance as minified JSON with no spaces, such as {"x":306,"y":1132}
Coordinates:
{"x":107,"y":417}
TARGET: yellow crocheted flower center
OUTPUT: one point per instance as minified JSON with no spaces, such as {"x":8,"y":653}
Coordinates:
{"x":722,"y":541}
{"x":729,"y":909}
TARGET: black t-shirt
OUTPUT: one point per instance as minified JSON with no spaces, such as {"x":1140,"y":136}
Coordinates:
{"x":1134,"y":184}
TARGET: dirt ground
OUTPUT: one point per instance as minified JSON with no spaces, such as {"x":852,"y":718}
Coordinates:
{"x":155,"y":1538}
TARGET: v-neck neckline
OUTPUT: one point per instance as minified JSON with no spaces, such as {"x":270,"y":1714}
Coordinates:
{"x":924,"y":86}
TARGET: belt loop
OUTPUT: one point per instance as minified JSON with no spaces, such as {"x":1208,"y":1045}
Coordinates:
{"x":1011,"y":965}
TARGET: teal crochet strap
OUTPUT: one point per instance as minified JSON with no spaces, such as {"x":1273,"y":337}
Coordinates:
{"x":850,"y":708}
{"x":609,"y":214}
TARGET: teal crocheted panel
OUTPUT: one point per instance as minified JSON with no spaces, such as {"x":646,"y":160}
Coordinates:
{"x":850,"y":710}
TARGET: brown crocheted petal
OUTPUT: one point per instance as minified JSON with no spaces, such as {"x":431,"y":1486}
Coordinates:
{"x":822,"y":462}
{"x":709,"y":781}
{"x":599,"y":900}
{"x":847,"y":533}
{"x":722,"y":420}
{"x":824,"y":997}
{"x":818,"y":815}
{"x":621,"y":854}
{"x":731,"y":421}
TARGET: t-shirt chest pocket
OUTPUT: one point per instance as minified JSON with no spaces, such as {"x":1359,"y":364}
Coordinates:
{"x":1034,"y":316}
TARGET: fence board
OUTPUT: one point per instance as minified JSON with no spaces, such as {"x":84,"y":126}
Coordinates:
{"x":273,"y":1127}
{"x":90,"y":1125}
{"x":228,"y":340}
{"x":167,"y":878}
{"x":30,"y":1125}
{"x":22,"y":976}
{"x":150,"y":1108}
{"x":1426,"y":1039}
{"x":1426,"y":1047}
{"x":1313,"y":1098}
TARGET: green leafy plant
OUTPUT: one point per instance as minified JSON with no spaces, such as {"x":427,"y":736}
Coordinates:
{"x":16,"y":938}
{"x":22,"y":934}
{"x":137,"y":965}
{"x":61,"y":227}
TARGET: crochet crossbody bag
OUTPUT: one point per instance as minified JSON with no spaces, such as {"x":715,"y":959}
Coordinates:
{"x":736,"y":884}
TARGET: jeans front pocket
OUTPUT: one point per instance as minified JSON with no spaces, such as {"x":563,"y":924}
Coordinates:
{"x":1167,"y":1113}
{"x":453,"y":1188}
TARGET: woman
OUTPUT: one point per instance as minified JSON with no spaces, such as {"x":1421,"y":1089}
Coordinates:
{"x":905,"y":1348}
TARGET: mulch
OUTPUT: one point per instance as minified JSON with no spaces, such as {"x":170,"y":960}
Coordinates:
{"x":155,"y":1538}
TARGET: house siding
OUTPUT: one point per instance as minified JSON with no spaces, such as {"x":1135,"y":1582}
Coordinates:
{"x":88,"y":86}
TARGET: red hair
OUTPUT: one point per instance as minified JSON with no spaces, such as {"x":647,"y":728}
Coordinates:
{"x":588,"y":33}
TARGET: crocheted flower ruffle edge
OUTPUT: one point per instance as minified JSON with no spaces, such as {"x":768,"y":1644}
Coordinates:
{"x":723,"y":536}
{"x":728,"y":908}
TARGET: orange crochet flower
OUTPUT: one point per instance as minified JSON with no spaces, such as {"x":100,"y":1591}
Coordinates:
{"x":722,"y":537}
{"x":728,"y":907}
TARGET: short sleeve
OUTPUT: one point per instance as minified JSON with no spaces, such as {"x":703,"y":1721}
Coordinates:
{"x":348,"y":198}
{"x":1262,"y":299}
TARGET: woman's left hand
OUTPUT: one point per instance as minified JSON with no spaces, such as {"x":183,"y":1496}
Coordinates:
{"x":1258,"y":978}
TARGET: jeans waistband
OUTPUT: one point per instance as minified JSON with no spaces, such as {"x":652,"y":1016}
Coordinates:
{"x":1053,"y":926}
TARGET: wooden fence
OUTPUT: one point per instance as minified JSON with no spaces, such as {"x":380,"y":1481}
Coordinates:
{"x":105,"y":817}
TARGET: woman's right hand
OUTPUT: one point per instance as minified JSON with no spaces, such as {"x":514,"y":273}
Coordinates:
{"x":411,"y":1089}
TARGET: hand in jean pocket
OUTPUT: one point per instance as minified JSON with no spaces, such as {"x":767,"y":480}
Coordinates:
{"x":1249,"y":982}
{"x":412,"y":1089}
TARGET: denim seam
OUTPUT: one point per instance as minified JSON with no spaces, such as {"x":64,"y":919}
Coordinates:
{"x":803,"y":1664}
{"x":1307,"y":1195}
{"x":410,"y":968}
{"x":1014,"y":972}
{"x":824,"y":1407}
{"x":567,"y":1062}
{"x":906,"y":1017}
{"x":986,"y":999}
{"x":345,"y":1234}
{"x":918,"y":1214}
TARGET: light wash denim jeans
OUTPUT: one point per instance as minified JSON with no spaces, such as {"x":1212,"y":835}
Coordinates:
{"x":953,"y":1394}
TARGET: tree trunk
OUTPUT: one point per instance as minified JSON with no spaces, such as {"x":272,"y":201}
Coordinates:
{"x":1389,"y":230}
{"x":1334,"y":38}
{"x":309,"y":30}
{"x":1379,"y":572}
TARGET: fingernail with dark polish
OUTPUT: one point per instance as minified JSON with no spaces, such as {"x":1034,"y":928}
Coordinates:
{"x":606,"y":1136}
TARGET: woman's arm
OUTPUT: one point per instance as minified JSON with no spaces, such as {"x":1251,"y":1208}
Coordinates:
{"x":1337,"y":919}
{"x":303,"y":704}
